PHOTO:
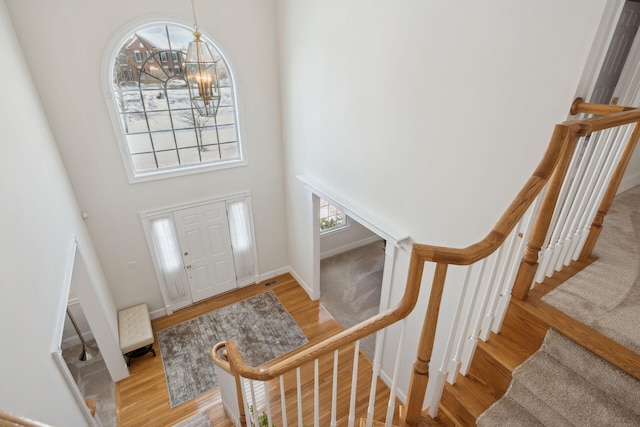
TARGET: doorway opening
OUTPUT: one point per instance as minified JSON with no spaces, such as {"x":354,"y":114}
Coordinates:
{"x":390,"y":243}
{"x":87,"y":317}
{"x":86,"y":364}
{"x":352,"y":260}
{"x":612,"y":73}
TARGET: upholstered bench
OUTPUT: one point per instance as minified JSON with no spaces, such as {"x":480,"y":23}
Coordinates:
{"x":136,"y":335}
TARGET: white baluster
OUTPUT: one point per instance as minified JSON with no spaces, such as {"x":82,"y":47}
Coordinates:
{"x":267,"y":402}
{"x":452,"y":365}
{"x":245,"y":403}
{"x":441,"y":375}
{"x":300,"y":423}
{"x":354,"y":385}
{"x":283,"y":402}
{"x":253,"y":402}
{"x":497,"y":287}
{"x":584,"y":225}
{"x":579,"y":161}
{"x":334,"y":390}
{"x":391,"y":405}
{"x":316,"y":394}
{"x":596,"y":163}
{"x":555,"y":225}
{"x":478,"y":330}
{"x":374,"y":377}
{"x":524,"y":226}
{"x":457,"y":358}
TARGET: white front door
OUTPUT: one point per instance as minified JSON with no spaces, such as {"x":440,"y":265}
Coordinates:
{"x":203,"y":233}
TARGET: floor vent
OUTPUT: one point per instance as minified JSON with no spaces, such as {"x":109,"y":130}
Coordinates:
{"x":273,"y":282}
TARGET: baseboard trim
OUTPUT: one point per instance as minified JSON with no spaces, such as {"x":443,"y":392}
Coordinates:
{"x":75,"y":340}
{"x":157,"y":313}
{"x":273,"y":273}
{"x":349,"y":246}
{"x":302,"y":283}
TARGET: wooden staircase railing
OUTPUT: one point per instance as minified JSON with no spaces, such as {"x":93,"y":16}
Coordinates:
{"x":7,"y":419}
{"x":481,"y":276}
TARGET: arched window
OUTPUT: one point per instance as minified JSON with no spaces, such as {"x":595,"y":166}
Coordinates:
{"x":162,"y":132}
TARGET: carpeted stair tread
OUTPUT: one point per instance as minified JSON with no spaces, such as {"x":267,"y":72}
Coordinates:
{"x":615,"y":383}
{"x":507,"y":412}
{"x":536,"y":407}
{"x":580,"y":401}
{"x":547,"y":389}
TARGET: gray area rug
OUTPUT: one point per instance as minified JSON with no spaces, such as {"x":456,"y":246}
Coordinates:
{"x":606,"y":295}
{"x":564,"y":384}
{"x":261,"y":326}
{"x":350,"y":285}
{"x":94,"y":381}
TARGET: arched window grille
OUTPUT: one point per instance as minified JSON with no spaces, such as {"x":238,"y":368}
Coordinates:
{"x":162,"y":129}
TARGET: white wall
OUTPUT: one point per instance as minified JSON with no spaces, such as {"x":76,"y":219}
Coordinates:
{"x":64,"y":41}
{"x":39,"y":220}
{"x":427,"y":116}
{"x":345,"y":239}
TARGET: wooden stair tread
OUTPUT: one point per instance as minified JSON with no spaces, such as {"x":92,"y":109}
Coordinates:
{"x":528,"y":332}
{"x":464,"y":401}
{"x":441,"y":420}
{"x":493,"y":362}
{"x":506,"y":352}
{"x":488,"y":374}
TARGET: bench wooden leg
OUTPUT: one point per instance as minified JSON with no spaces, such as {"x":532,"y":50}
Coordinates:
{"x":139,"y":353}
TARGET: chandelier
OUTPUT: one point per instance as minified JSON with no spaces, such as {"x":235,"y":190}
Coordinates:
{"x":201,"y":72}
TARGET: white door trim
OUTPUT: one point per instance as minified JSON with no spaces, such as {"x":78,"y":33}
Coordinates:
{"x":629,"y":82}
{"x":147,"y":216}
{"x":394,"y":240}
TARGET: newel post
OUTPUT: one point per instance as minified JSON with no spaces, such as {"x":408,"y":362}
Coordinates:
{"x":223,"y":361}
{"x":568,"y":139}
{"x":420,"y":374}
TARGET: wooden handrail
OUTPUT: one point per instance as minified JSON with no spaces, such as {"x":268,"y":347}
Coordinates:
{"x":222,"y":363}
{"x":5,"y":418}
{"x":606,"y":116}
{"x":420,"y":254}
{"x":348,"y":336}
{"x":580,"y":106}
{"x":550,"y":173}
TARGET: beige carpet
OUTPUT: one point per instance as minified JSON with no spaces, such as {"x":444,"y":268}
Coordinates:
{"x":94,"y":381}
{"x":563,"y":384}
{"x":606,"y":294}
{"x":350,"y":285}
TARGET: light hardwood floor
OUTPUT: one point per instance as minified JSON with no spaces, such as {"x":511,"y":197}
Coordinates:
{"x":142,"y":399}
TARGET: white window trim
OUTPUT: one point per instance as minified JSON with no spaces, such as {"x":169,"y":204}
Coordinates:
{"x":394,"y":239}
{"x":115,"y":43}
{"x":337,"y":228}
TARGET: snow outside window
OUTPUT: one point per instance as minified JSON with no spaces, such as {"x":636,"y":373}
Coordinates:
{"x":162,"y":132}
